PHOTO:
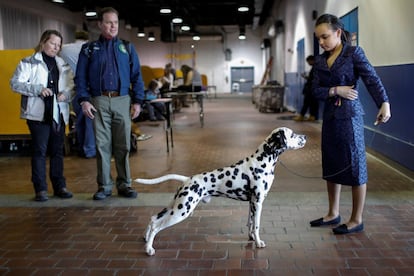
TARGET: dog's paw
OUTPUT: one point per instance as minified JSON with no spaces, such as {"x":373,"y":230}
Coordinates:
{"x":150,"y":250}
{"x":260,"y":244}
{"x":206,"y":199}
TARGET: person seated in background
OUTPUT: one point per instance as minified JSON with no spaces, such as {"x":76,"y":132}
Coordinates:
{"x":192,"y":82}
{"x":155,"y":110}
{"x":135,"y":130}
{"x":167,"y":80}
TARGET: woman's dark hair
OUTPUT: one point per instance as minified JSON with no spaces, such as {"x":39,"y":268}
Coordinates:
{"x":335,"y":24}
{"x":185,"y":69}
{"x":45,"y":37}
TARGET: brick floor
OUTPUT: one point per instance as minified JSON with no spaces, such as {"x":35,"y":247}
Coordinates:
{"x":80,"y":236}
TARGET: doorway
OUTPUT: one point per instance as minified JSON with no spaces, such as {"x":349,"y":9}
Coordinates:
{"x":242,"y":79}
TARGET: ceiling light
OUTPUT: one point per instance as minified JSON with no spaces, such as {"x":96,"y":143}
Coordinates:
{"x":177,"y":20}
{"x":185,"y":28}
{"x":58,"y":1}
{"x":196,"y":37}
{"x":90,"y":13}
{"x":151,"y":36}
{"x":242,"y":34}
{"x":243,"y":8}
{"x":165,"y":10}
{"x":141,"y":32}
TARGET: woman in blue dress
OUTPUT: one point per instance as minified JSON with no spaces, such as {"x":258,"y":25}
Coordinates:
{"x":336,"y":74}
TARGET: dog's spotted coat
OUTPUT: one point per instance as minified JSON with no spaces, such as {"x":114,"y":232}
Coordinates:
{"x":248,"y":180}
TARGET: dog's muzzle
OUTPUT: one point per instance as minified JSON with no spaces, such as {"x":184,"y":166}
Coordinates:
{"x":302,"y":140}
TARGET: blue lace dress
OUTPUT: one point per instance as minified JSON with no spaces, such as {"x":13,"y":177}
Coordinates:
{"x":343,"y":146}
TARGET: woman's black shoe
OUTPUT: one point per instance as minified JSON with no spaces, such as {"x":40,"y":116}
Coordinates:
{"x":320,"y":222}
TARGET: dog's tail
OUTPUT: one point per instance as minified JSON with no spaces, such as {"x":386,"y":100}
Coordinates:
{"x":163,"y":178}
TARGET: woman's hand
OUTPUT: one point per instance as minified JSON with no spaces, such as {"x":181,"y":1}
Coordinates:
{"x":384,"y":114}
{"x":46,"y":92}
{"x":347,"y":92}
{"x":61,"y":97}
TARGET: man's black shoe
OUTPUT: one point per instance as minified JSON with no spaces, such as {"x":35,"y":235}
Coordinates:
{"x":101,"y":194}
{"x":41,"y":196}
{"x":127,"y":192}
{"x":63,"y":193}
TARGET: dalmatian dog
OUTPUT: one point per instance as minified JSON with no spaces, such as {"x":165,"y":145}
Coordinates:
{"x":249,"y":179}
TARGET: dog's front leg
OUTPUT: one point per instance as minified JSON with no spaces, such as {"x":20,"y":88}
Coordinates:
{"x":250,"y":224}
{"x":256,"y":210}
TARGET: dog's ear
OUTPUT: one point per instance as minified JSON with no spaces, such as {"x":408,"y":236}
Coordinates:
{"x":281,"y":139}
{"x":278,"y":139}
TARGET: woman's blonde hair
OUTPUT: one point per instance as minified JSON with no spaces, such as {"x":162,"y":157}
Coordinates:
{"x":45,"y":37}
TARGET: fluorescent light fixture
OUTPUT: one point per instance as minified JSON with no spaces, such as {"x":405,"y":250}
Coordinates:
{"x":141,"y":32}
{"x":185,"y":28}
{"x":151,"y":36}
{"x":243,"y":8}
{"x":90,"y":13}
{"x":242,"y":33}
{"x":165,"y":10}
{"x":177,"y":20}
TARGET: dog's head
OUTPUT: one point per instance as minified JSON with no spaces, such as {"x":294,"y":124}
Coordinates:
{"x":284,"y":138}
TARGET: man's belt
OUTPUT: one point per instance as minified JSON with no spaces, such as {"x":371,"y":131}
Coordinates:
{"x":110,"y":94}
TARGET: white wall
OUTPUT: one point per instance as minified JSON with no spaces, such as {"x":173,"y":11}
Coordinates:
{"x":385,"y":29}
{"x":210,"y":57}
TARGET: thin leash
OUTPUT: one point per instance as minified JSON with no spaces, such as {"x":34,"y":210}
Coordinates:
{"x":307,"y":176}
{"x":324,"y":176}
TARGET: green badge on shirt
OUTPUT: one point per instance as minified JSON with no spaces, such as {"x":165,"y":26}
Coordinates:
{"x":122,"y":48}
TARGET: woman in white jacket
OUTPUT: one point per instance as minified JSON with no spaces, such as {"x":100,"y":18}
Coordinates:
{"x":46,"y":84}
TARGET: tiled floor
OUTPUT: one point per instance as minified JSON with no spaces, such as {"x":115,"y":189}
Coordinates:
{"x":80,"y":236}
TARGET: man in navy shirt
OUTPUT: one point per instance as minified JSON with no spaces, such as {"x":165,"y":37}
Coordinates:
{"x":109,"y":81}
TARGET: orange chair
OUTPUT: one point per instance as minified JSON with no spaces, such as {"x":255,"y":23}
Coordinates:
{"x":147,"y":74}
{"x":204,"y":82}
{"x":158,"y":72}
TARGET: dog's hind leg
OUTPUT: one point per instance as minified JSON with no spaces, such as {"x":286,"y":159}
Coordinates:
{"x":166,"y":218}
{"x":256,"y":212}
{"x":154,"y":226}
{"x":150,"y":235}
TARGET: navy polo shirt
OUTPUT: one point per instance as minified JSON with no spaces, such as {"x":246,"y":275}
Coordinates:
{"x":110,"y":75}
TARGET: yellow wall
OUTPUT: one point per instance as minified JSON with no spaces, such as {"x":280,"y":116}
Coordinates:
{"x":10,"y":122}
